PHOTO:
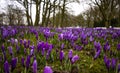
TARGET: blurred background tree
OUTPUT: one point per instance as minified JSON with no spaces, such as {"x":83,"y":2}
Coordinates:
{"x":55,"y":13}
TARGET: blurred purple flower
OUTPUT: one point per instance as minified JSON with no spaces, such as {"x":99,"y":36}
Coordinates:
{"x":34,"y":66}
{"x":6,"y":67}
{"x":13,"y":63}
{"x":97,"y":45}
{"x":91,"y":38}
{"x":3,"y":51}
{"x":22,"y":61}
{"x":77,"y":47}
{"x":47,"y":69}
{"x":21,"y":41}
{"x":28,"y":61}
{"x":74,"y":59}
{"x":61,"y":56}
{"x":106,"y":46}
{"x":61,"y":36}
{"x":97,"y":54}
{"x":17,"y":48}
{"x":62,"y":46}
{"x":118,"y":46}
{"x":10,"y":50}
{"x":114,"y":63}
{"x":118,"y":67}
{"x":107,"y":62}
{"x":70,"y":54}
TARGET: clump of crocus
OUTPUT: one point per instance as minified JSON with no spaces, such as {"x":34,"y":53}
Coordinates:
{"x":6,"y":67}
{"x":61,"y":56}
{"x":74,"y":59}
{"x":110,"y":63}
{"x":13,"y":63}
{"x":34,"y":66}
{"x":47,"y":69}
{"x":70,"y":54}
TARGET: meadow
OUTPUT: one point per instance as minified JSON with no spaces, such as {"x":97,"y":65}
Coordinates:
{"x":30,"y":49}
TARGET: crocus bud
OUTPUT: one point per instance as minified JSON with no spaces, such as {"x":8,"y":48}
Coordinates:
{"x":35,"y":66}
{"x":22,"y":61}
{"x":47,"y":69}
{"x":6,"y":67}
{"x":114,"y":63}
{"x":70,"y":54}
{"x":106,"y":46}
{"x":62,"y":46}
{"x":61,"y":55}
{"x":28,"y":61}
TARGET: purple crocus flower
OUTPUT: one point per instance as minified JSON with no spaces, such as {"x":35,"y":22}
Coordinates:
{"x":77,"y":47}
{"x":6,"y":67}
{"x":113,"y":63}
{"x":106,"y":46}
{"x":70,"y":54}
{"x":31,"y":52}
{"x":28,"y":61}
{"x":61,"y":55}
{"x":97,"y":54}
{"x":43,"y":50}
{"x":10,"y":50}
{"x":97,"y":45}
{"x":62,"y":46}
{"x":47,"y":69}
{"x":61,"y":36}
{"x":3,"y":51}
{"x":13,"y":63}
{"x":21,"y":41}
{"x":118,"y":46}
{"x":3,"y":48}
{"x":17,"y":48}
{"x":22,"y":61}
{"x":74,"y":59}
{"x":107,"y":62}
{"x":35,"y":66}
{"x":91,"y":38}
